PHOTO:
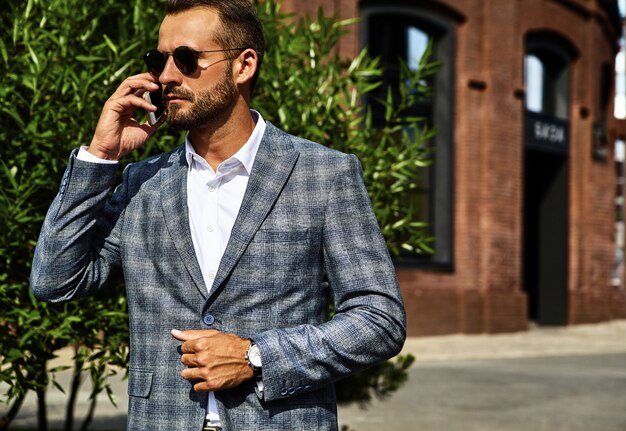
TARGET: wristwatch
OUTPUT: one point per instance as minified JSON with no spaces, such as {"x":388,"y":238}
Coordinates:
{"x":253,"y":356}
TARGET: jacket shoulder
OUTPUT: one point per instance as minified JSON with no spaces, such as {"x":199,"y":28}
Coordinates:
{"x":288,"y":142}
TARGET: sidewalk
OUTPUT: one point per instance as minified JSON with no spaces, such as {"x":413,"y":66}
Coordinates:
{"x":601,"y":338}
{"x":433,"y":378}
{"x":546,"y":379}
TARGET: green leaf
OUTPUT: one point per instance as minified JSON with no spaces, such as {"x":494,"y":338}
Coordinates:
{"x":110,"y":43}
{"x":89,"y":58}
{"x":58,"y":386}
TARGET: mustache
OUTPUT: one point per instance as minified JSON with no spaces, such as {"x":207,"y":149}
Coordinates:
{"x":179,"y":93}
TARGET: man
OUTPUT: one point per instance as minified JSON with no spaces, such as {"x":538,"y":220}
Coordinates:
{"x":231,"y":246}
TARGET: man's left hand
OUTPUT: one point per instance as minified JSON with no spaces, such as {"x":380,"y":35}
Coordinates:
{"x":215,"y":360}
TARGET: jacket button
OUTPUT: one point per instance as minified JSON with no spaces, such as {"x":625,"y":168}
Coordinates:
{"x":208,"y":319}
{"x":283,"y":391}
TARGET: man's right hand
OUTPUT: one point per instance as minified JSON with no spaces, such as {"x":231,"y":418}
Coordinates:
{"x":117,"y":132}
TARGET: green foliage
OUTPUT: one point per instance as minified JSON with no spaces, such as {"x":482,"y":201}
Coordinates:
{"x":379,"y":381}
{"x":308,"y":90}
{"x":60,"y":60}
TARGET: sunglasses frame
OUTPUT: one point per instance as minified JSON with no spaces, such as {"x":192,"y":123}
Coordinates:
{"x":184,"y":68}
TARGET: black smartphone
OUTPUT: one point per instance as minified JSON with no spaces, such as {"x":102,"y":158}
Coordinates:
{"x":156,"y":98}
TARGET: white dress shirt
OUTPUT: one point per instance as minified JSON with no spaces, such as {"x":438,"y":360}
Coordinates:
{"x":213,"y":199}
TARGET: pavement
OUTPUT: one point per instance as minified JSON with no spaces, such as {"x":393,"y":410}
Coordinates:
{"x":547,"y":378}
{"x":544,"y":379}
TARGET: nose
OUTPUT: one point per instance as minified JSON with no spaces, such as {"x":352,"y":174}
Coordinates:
{"x":171,"y":74}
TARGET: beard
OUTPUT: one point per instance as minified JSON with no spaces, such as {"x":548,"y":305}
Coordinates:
{"x":205,"y":106}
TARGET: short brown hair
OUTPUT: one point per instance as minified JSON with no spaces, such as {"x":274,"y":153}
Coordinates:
{"x":240,"y":23}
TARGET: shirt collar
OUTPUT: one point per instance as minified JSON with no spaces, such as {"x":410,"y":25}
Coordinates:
{"x":245,"y":155}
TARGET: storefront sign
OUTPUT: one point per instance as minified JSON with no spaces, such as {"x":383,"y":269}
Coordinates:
{"x":546,"y":133}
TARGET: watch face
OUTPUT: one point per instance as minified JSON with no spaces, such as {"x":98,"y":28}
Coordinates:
{"x":254,"y":356}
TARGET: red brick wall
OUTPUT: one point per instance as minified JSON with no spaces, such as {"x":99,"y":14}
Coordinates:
{"x":484,"y":292}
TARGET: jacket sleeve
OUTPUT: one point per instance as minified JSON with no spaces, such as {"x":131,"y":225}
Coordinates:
{"x":369,"y":322}
{"x":78,"y":248}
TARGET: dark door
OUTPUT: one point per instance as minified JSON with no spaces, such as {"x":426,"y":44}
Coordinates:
{"x":545,"y":236}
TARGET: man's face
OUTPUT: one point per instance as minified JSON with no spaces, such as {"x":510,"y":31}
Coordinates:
{"x":195,"y":100}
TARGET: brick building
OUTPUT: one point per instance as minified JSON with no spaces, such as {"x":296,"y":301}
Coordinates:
{"x":521,"y":195}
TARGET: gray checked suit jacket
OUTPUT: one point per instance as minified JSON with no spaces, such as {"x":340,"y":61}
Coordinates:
{"x":305,"y":237}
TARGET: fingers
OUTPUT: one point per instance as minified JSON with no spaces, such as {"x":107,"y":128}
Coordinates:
{"x":205,"y":380}
{"x":130,"y":93}
{"x":202,"y":380}
{"x":215,"y":360}
{"x":214,"y":385}
{"x":118,"y":132}
{"x":194,"y":340}
{"x":132,"y":101}
{"x":191,"y":360}
{"x":192,"y":334}
{"x":193,"y":346}
{"x":203,"y":387}
{"x":135,"y":84}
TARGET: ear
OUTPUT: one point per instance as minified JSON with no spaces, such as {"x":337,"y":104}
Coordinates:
{"x":245,"y":66}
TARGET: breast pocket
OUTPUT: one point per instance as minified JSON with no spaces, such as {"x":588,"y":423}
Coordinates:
{"x":281,"y":257}
{"x":280,"y":248}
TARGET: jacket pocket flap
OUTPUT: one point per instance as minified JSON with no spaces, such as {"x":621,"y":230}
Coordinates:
{"x":139,"y":383}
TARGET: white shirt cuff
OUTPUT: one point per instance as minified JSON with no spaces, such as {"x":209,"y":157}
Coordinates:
{"x":86,"y":156}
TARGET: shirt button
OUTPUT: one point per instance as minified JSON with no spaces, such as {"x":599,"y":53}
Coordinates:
{"x":208,"y":319}
{"x":211,"y":276}
{"x":209,"y":228}
{"x":212,"y":189}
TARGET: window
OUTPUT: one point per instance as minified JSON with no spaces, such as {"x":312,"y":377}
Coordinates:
{"x":547,"y":81}
{"x":534,"y":83}
{"x":546,"y":73}
{"x":402,"y":33}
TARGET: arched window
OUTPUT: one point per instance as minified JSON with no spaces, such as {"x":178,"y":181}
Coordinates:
{"x":547,"y":80}
{"x":398,"y":33}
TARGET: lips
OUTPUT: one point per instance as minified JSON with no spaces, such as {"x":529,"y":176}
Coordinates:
{"x":174,"y":98}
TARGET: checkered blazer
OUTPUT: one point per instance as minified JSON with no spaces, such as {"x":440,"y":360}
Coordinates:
{"x":305,"y":236}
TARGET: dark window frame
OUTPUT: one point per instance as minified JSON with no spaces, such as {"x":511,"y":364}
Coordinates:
{"x":443,"y":26}
{"x":557,"y":56}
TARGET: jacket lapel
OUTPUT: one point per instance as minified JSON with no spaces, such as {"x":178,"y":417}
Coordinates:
{"x":272,"y":167}
{"x":176,"y":214}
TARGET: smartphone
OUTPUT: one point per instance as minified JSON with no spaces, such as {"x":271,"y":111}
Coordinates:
{"x":156,"y":98}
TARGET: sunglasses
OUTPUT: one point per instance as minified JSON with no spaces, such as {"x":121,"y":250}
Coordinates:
{"x":185,"y":58}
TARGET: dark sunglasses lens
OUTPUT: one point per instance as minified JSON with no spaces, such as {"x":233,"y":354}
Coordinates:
{"x":186,"y":59}
{"x":155,"y":61}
